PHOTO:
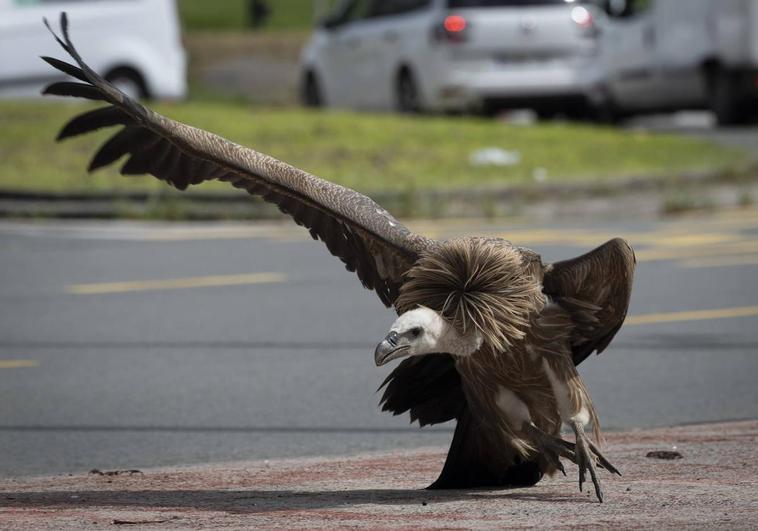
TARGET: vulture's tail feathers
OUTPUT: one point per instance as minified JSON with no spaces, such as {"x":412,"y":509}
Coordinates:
{"x":429,"y":388}
{"x":474,"y":461}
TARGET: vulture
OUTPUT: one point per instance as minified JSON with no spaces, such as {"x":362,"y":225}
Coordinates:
{"x":489,"y":336}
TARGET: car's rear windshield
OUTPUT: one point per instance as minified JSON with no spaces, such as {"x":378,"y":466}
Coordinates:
{"x":461,"y":4}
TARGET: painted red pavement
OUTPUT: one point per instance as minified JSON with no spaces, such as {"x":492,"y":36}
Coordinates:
{"x":714,"y":484}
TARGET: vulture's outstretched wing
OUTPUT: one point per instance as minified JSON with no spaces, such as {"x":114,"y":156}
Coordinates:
{"x":354,"y":228}
{"x":594,"y":289}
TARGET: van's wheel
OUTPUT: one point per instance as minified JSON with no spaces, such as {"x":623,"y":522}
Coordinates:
{"x":129,"y":82}
{"x":725,"y":101}
{"x":406,"y":93}
{"x":310,"y":92}
{"x":605,"y":112}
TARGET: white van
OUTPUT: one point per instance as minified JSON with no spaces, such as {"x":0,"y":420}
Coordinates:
{"x":134,"y":43}
{"x":415,"y":55}
{"x":661,"y":55}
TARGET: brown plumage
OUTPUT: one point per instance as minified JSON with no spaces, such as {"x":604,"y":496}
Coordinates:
{"x":534,"y":322}
{"x":493,"y":287}
{"x":475,"y":283}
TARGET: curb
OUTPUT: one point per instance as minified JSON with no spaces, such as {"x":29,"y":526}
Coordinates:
{"x":408,"y":203}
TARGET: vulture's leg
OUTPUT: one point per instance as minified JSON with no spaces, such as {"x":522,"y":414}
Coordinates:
{"x":585,"y":458}
{"x":576,"y":412}
{"x":550,"y":448}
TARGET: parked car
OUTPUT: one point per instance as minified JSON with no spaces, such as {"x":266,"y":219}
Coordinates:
{"x":416,"y":55}
{"x":136,"y":44}
{"x":661,"y":55}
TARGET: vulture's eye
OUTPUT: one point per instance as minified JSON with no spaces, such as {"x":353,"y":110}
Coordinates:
{"x":415,"y":332}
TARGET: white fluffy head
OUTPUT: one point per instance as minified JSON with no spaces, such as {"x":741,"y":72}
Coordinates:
{"x":423,"y":327}
{"x":423,"y":331}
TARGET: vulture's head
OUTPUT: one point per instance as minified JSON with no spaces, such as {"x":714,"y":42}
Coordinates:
{"x":424,"y":331}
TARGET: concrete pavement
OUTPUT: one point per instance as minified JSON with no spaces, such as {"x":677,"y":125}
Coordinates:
{"x":714,"y":484}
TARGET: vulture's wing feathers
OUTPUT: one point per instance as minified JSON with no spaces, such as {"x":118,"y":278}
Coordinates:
{"x":354,"y":228}
{"x":594,"y":289}
{"x":428,"y":387}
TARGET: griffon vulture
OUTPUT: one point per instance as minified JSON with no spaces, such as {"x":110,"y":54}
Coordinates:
{"x":490,"y":335}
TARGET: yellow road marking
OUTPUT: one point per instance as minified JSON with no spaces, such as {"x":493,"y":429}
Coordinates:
{"x":697,"y":315}
{"x":720,"y":261}
{"x":661,"y":253}
{"x":18,"y":364}
{"x":175,"y":283}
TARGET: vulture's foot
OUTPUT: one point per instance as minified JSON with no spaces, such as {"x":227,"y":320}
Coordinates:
{"x":551,"y":447}
{"x":602,"y":462}
{"x":587,"y":456}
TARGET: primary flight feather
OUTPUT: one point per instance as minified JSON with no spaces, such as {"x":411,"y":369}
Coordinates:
{"x":491,"y":337}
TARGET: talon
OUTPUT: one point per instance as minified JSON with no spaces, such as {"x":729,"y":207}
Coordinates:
{"x":586,"y":453}
{"x":602,"y":461}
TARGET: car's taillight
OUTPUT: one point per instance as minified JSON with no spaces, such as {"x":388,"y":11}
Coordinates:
{"x":453,"y":29}
{"x":454,"y":24}
{"x":583,"y":18}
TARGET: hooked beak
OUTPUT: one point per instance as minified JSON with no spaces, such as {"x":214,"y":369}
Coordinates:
{"x":391,"y":348}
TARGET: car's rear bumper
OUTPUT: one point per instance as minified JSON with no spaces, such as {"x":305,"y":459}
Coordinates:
{"x":470,"y":84}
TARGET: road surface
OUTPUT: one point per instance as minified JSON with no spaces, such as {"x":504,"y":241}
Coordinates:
{"x":127,"y":345}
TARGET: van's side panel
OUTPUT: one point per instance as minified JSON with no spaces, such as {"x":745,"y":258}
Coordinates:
{"x":730,"y":22}
{"x":140,"y":34}
{"x":753,"y":32}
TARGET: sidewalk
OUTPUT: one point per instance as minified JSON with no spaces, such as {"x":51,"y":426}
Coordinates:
{"x":715,"y":483}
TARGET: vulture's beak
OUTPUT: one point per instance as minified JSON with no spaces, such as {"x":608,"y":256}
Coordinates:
{"x":391,"y":348}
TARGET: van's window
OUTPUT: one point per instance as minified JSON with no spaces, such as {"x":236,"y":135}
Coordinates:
{"x":460,"y":4}
{"x":41,"y":2}
{"x":384,"y":8}
{"x":38,"y":2}
{"x":347,"y":12}
{"x":627,"y":8}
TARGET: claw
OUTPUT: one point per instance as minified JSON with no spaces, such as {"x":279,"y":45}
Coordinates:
{"x":602,"y":461}
{"x":553,"y":448}
{"x":586,"y":453}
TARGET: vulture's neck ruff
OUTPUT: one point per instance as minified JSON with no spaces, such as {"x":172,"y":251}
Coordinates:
{"x":475,"y":284}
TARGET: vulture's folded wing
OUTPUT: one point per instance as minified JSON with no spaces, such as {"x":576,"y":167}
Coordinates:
{"x":429,"y":387}
{"x":594,"y":289}
{"x":354,"y":228}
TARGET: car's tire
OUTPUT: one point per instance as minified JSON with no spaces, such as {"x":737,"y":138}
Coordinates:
{"x":725,"y":100}
{"x":407,"y":95}
{"x":605,"y":113}
{"x":128,"y":81}
{"x":310,"y":91}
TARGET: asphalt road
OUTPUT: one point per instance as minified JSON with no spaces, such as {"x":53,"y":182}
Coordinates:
{"x":131,"y":345}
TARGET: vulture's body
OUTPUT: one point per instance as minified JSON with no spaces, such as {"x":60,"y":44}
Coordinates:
{"x":491,"y":336}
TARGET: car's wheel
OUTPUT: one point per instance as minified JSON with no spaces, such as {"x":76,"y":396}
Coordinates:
{"x":129,"y":82}
{"x":545,"y":115}
{"x":310,"y":91}
{"x":407,"y":96}
{"x":724,"y":99}
{"x":605,"y":112}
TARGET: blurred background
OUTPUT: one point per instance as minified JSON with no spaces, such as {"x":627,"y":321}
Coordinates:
{"x":143,"y":326}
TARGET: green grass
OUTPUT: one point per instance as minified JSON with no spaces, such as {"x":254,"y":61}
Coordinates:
{"x":232,"y":15}
{"x":366,"y":152}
